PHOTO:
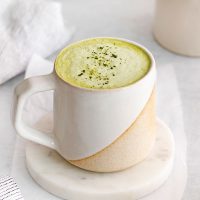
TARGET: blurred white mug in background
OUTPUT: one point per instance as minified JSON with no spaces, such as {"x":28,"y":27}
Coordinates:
{"x":177,"y":26}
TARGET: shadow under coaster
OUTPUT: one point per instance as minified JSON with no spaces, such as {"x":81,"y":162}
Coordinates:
{"x":62,"y":179}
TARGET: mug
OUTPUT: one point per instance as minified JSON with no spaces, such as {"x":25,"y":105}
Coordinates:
{"x":101,"y":130}
{"x":177,"y":27}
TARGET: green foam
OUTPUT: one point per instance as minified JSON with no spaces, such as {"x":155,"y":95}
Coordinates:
{"x":102,"y":63}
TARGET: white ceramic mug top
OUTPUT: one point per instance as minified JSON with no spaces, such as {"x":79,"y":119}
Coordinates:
{"x":177,"y":27}
{"x":86,"y":120}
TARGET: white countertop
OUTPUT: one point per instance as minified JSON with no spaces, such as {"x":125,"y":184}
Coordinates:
{"x":131,"y":19}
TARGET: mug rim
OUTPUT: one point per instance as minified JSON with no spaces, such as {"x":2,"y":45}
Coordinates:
{"x":152,"y":65}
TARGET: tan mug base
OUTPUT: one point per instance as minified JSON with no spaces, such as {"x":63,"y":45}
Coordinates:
{"x":130,"y":148}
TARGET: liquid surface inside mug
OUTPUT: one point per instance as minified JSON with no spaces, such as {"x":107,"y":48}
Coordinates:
{"x":102,"y":63}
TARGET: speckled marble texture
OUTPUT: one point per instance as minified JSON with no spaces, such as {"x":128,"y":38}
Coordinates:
{"x":59,"y":177}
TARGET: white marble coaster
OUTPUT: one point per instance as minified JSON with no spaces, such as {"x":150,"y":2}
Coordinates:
{"x":62,"y":179}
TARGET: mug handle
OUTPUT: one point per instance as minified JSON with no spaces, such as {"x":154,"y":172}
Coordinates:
{"x":22,"y":92}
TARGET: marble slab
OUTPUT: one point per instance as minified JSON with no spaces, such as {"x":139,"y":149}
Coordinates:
{"x":64,"y":180}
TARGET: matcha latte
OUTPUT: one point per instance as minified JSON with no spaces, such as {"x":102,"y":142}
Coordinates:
{"x":102,"y":63}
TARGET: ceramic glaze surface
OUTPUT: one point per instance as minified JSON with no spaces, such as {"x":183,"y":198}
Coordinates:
{"x":86,"y":120}
{"x":102,"y":63}
{"x":104,"y":116}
